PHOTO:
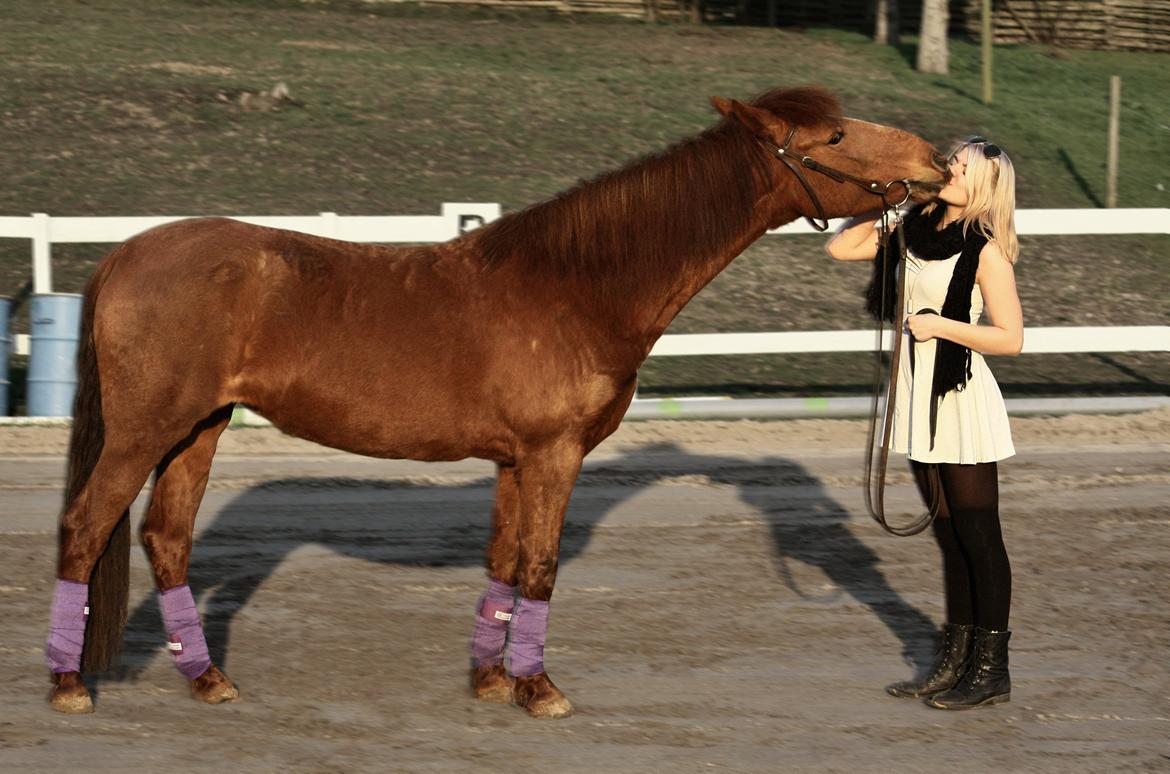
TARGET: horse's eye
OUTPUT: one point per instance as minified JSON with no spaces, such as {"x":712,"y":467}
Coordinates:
{"x":836,"y":138}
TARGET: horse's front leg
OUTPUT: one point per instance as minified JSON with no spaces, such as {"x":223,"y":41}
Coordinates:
{"x":489,"y":680}
{"x":547,"y":476}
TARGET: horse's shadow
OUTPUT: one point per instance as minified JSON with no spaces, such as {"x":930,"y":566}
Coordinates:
{"x":236,"y":553}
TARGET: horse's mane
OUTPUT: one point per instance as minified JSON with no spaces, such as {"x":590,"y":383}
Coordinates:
{"x":656,"y":211}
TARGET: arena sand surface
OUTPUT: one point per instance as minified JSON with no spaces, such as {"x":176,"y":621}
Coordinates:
{"x":723,"y":605}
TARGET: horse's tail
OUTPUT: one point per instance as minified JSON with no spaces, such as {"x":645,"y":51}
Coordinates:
{"x":109,"y":585}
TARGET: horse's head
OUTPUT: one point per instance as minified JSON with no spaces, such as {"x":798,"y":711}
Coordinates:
{"x":825,"y":165}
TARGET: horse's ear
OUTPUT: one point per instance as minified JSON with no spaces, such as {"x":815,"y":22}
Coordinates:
{"x":753,"y":118}
{"x":723,"y":105}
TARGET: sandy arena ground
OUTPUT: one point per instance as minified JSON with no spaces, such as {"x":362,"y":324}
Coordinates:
{"x":723,"y":605}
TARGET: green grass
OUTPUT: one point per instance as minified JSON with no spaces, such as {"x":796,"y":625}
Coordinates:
{"x":132,"y":108}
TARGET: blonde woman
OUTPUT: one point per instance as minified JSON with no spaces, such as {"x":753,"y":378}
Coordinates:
{"x":950,"y":415}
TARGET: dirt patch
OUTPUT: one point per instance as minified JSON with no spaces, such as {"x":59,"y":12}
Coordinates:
{"x":323,"y":45}
{"x":1145,"y":427}
{"x":722,"y":604}
{"x":186,"y":68}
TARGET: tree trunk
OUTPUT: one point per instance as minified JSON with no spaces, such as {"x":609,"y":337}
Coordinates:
{"x":885,"y":22}
{"x":932,"y":40}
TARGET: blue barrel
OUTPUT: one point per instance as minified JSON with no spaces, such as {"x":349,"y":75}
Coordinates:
{"x":5,"y":352}
{"x":52,"y":358}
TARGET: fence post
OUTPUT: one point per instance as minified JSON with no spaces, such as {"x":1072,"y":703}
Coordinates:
{"x":1114,"y":139}
{"x":42,"y":266}
{"x":986,"y":35}
{"x":329,"y":224}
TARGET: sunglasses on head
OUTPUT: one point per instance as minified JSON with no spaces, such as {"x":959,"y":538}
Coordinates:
{"x":990,"y":150}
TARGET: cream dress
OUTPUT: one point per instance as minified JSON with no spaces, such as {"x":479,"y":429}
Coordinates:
{"x":972,"y":424}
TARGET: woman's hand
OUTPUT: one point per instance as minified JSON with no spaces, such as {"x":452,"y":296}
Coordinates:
{"x":924,"y":327}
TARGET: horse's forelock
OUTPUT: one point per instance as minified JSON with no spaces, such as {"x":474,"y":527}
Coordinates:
{"x":801,"y":106}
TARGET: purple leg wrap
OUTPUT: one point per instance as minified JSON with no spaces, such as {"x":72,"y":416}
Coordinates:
{"x":67,"y":626}
{"x":529,"y":628}
{"x":491,"y":624}
{"x":184,"y":632}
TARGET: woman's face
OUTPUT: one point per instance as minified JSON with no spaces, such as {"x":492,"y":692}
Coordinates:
{"x":955,"y":191}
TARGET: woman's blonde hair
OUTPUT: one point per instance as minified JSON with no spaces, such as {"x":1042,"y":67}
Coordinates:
{"x":991,"y":195}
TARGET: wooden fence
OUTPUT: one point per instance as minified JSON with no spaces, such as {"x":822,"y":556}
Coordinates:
{"x":1113,"y":25}
{"x":1142,"y":25}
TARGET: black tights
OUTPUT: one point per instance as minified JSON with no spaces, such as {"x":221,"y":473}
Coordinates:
{"x":976,"y":573}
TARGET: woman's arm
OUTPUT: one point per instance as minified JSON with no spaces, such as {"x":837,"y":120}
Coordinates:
{"x":857,"y":240}
{"x":1005,"y":334}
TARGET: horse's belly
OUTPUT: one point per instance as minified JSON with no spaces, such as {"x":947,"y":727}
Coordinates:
{"x":391,"y":417}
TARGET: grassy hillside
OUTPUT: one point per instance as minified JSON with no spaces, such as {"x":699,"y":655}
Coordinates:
{"x":126,"y":107}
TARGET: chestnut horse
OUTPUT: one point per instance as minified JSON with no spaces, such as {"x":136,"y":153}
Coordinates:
{"x":518,"y":343}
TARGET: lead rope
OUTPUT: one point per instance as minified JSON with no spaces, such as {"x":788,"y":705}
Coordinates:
{"x":875,"y":488}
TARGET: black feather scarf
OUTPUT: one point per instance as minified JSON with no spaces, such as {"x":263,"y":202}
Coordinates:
{"x":952,"y":361}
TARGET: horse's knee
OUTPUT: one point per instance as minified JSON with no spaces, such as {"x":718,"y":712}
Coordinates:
{"x":536,"y":577}
{"x":502,"y":562}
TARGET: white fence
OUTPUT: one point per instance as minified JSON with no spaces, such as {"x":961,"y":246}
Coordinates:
{"x":457,"y":218}
{"x":45,"y":231}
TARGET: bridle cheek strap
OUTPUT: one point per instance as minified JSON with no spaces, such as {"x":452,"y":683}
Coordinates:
{"x":788,"y":159}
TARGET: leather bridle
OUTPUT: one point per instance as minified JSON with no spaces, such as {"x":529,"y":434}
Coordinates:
{"x":874,"y":187}
{"x":875,"y":481}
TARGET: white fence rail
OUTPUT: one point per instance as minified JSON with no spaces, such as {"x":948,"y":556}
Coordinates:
{"x":1134,"y":220}
{"x":44,"y":231}
{"x":1116,"y":338}
{"x":457,"y":218}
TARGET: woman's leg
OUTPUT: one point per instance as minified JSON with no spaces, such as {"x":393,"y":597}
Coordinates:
{"x":956,"y":571}
{"x":972,"y":493}
{"x":959,"y":628}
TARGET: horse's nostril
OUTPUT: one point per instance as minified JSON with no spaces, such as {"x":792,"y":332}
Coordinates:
{"x":939,"y":161}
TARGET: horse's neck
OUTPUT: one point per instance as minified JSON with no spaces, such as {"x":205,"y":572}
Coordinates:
{"x":631,"y":248}
{"x":644,"y":293}
{"x":662,"y":303}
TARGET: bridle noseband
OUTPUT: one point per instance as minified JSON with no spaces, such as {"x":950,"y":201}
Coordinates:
{"x":874,"y":187}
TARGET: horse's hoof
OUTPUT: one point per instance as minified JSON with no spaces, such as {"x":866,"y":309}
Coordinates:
{"x":491,"y":683}
{"x":69,"y":694}
{"x":540,"y":697}
{"x":214,"y":687}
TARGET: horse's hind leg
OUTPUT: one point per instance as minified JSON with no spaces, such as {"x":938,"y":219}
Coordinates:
{"x":167,"y":534}
{"x":85,"y":531}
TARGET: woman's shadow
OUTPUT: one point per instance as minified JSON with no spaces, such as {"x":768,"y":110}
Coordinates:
{"x":252,"y":535}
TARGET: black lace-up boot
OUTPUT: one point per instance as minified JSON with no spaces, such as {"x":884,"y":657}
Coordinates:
{"x":986,"y":680}
{"x":947,"y":669}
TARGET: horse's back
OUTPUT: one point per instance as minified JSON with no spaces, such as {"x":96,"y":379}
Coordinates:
{"x":332,"y":340}
{"x":409,"y":352}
